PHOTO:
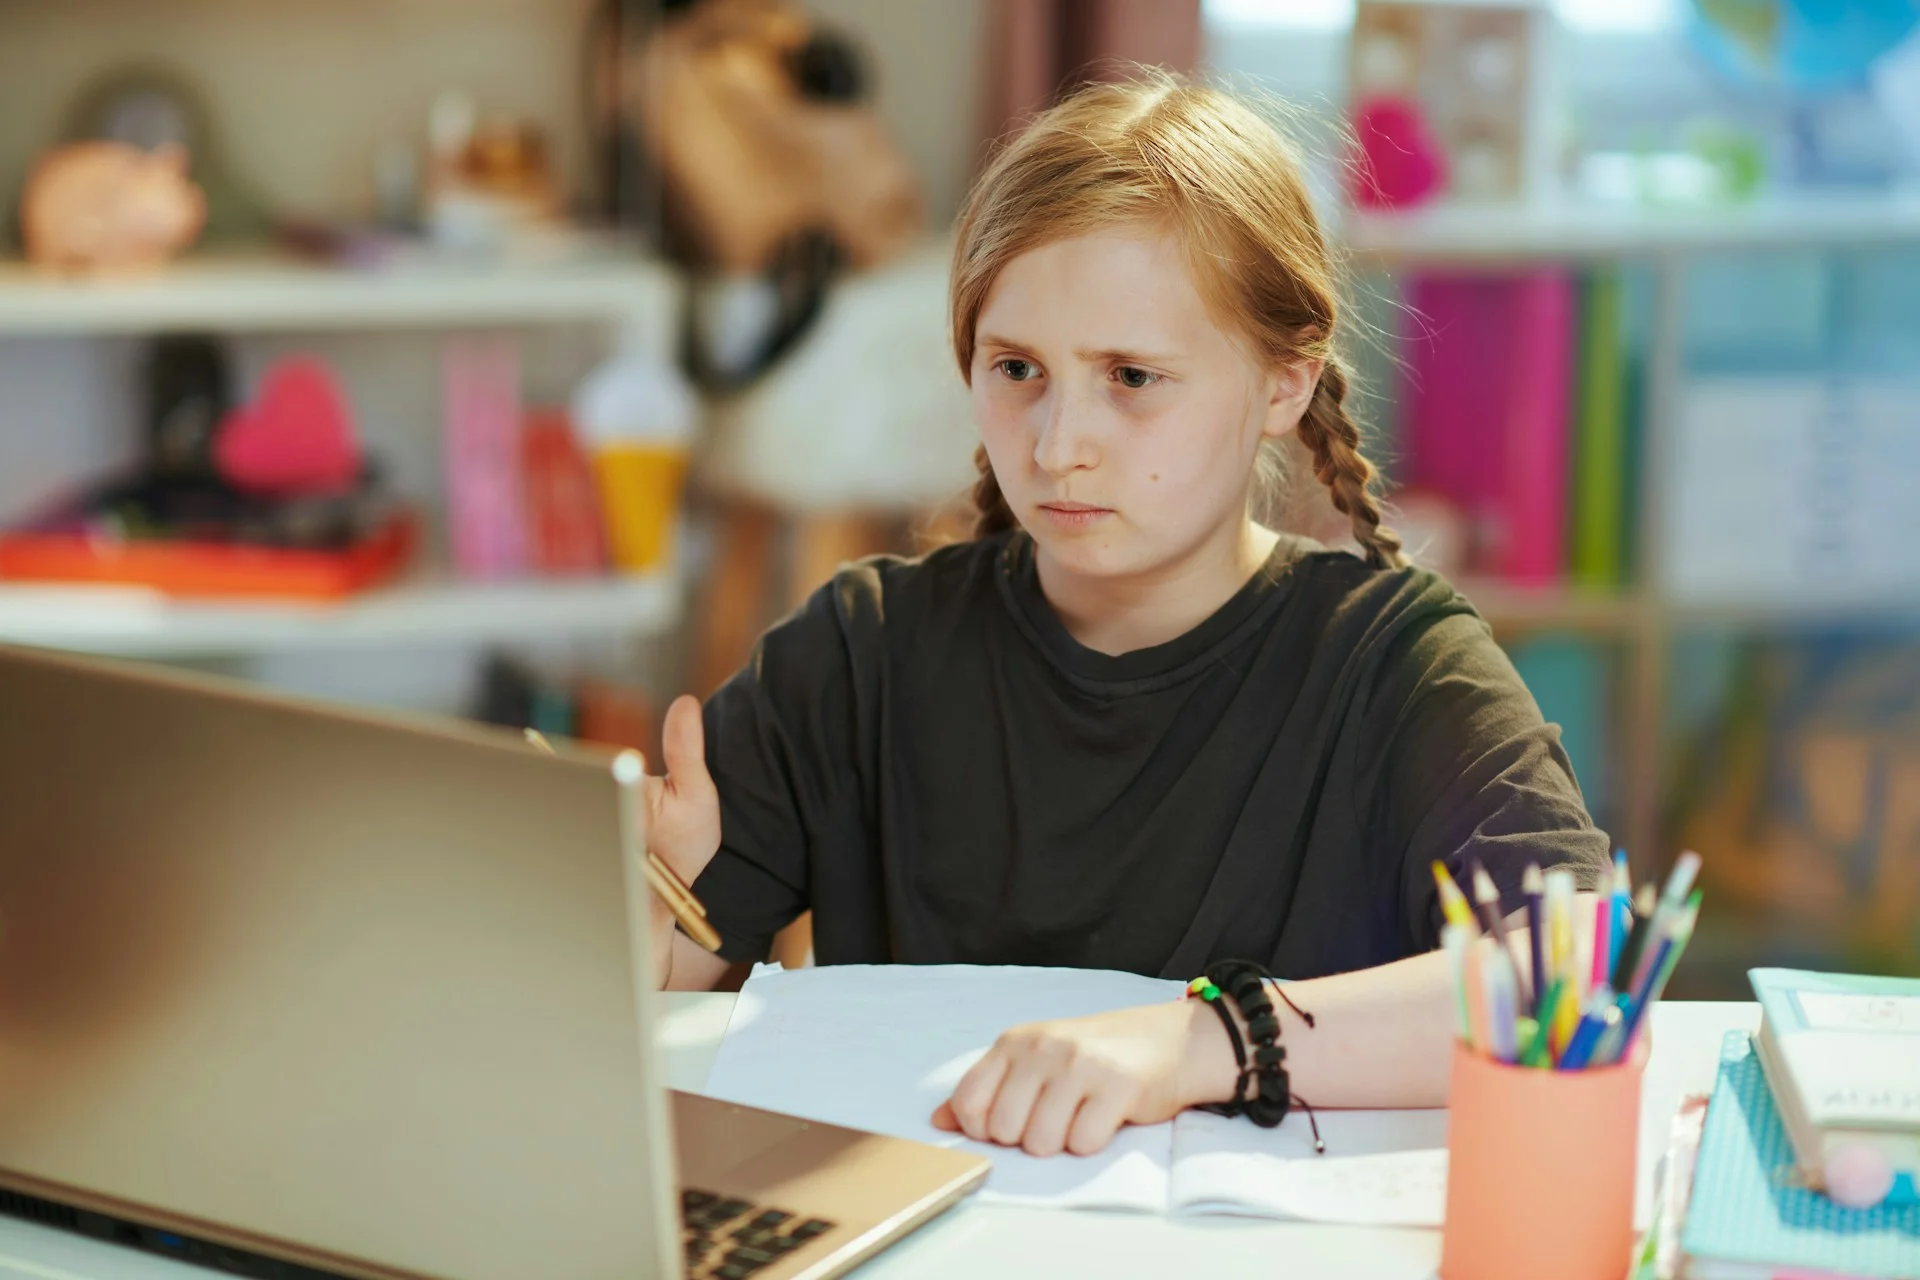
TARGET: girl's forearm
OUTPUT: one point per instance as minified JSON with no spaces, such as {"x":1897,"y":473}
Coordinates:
{"x":1381,"y":1037}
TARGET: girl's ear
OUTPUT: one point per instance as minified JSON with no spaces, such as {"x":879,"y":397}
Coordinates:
{"x":1292,"y":389}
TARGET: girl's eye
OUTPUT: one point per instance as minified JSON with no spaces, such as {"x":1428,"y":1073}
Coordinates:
{"x":1018,"y":370}
{"x":1135,"y":379}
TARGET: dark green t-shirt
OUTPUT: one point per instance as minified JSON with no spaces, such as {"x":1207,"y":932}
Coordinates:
{"x":925,"y":757}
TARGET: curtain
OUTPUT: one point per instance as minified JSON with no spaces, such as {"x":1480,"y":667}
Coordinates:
{"x":1037,"y":49}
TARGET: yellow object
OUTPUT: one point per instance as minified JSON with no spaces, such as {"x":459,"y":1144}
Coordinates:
{"x":1563,"y":956}
{"x":640,"y":486}
{"x":1453,"y":903}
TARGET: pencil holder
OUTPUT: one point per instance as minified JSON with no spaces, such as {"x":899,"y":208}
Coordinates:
{"x":1540,"y":1171}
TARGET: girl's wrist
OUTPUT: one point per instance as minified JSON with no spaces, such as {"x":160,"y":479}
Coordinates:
{"x":1208,"y":1072}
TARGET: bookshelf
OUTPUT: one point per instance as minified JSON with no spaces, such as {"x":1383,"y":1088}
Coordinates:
{"x":135,"y":622}
{"x":265,"y":291}
{"x":262,"y":290}
{"x":1547,"y":232}
{"x":1645,"y":618}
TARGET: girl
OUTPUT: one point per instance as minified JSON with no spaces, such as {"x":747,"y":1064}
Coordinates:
{"x":1127,"y":725}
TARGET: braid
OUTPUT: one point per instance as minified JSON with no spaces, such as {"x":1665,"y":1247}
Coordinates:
{"x":991,"y":513}
{"x":1330,"y":434}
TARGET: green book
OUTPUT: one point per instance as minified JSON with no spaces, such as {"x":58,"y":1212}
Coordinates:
{"x":1600,"y":447}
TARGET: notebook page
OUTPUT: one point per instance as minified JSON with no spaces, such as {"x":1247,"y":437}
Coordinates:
{"x":878,"y":1047}
{"x":1382,"y":1168}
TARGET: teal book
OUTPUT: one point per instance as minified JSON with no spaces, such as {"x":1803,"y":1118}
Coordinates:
{"x":1750,"y":1217}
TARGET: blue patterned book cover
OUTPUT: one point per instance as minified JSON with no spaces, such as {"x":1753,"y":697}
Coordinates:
{"x":1747,"y":1209}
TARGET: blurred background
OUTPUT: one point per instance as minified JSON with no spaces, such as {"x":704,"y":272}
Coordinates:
{"x":522,"y":359}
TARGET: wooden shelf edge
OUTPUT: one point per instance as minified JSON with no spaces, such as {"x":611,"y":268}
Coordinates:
{"x":133,"y":622}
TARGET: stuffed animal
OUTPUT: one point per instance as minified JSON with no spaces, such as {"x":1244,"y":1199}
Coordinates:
{"x":110,"y":208}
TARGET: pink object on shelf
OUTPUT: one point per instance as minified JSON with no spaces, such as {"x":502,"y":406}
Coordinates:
{"x":1400,"y":163}
{"x":297,"y":437}
{"x":485,"y":490}
{"x":1488,"y":412}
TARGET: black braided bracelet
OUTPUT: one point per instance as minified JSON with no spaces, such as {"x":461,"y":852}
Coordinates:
{"x":1273,"y":1096}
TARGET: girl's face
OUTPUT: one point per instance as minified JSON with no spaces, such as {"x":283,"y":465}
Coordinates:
{"x":1122,"y":422}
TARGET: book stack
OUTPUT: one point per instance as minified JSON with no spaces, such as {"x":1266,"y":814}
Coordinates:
{"x":1807,"y":1159}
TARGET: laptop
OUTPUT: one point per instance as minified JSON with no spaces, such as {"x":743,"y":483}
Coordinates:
{"x":290,"y":991}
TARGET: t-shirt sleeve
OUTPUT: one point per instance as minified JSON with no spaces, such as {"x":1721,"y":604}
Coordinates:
{"x":780,"y":749}
{"x":1468,"y":770}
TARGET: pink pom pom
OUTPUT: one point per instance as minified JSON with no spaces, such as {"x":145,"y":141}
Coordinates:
{"x":1858,"y":1175}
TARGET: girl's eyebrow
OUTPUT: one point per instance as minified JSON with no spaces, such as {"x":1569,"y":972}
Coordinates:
{"x":1105,"y":356}
{"x":1122,"y":357}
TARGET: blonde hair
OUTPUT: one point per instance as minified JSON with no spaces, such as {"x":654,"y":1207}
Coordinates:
{"x":1202,"y":164}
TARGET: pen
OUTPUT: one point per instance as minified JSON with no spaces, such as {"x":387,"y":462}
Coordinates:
{"x":1487,"y":897}
{"x":1533,"y":887}
{"x":687,"y":909}
{"x":1636,"y":938}
{"x":1453,"y":903}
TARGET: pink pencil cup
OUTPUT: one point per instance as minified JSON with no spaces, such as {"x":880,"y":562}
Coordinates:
{"x":1540,"y":1171}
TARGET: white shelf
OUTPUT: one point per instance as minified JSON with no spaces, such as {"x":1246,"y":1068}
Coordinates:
{"x":140,"y":623}
{"x":1522,"y":233}
{"x":258,"y":291}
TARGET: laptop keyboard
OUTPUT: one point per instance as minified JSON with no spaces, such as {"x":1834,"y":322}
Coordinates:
{"x":730,"y":1239}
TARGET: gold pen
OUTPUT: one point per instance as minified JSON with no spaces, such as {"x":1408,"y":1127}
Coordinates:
{"x":687,"y":909}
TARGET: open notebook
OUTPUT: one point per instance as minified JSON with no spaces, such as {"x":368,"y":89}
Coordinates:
{"x":879,"y":1047}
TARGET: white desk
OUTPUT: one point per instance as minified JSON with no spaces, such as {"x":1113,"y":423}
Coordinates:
{"x":1008,"y":1243}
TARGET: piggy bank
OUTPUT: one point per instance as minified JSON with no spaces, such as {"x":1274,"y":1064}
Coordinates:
{"x":110,"y":208}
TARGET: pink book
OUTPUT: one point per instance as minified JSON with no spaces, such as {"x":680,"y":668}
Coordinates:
{"x":1486,"y":405}
{"x":486,"y":521}
{"x":1538,"y":428}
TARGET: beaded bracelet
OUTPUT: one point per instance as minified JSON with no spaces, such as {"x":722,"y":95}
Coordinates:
{"x":1273,"y":1094}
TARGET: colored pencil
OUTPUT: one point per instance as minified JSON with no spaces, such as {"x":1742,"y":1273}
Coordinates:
{"x":1454,"y":939}
{"x":1502,"y":999}
{"x":1540,"y":1052}
{"x":1479,"y":1012}
{"x":1665,"y":961}
{"x":1453,"y":903}
{"x":1593,"y":1023}
{"x":1533,"y":886}
{"x":1602,"y":947}
{"x":1622,"y":918}
{"x":1607,"y":1030}
{"x":1562,"y":960}
{"x":1673,"y":900}
{"x":1487,"y":897}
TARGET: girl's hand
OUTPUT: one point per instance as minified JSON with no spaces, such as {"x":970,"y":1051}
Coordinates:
{"x":683,"y":828}
{"x":683,"y":808}
{"x":1050,"y":1087}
